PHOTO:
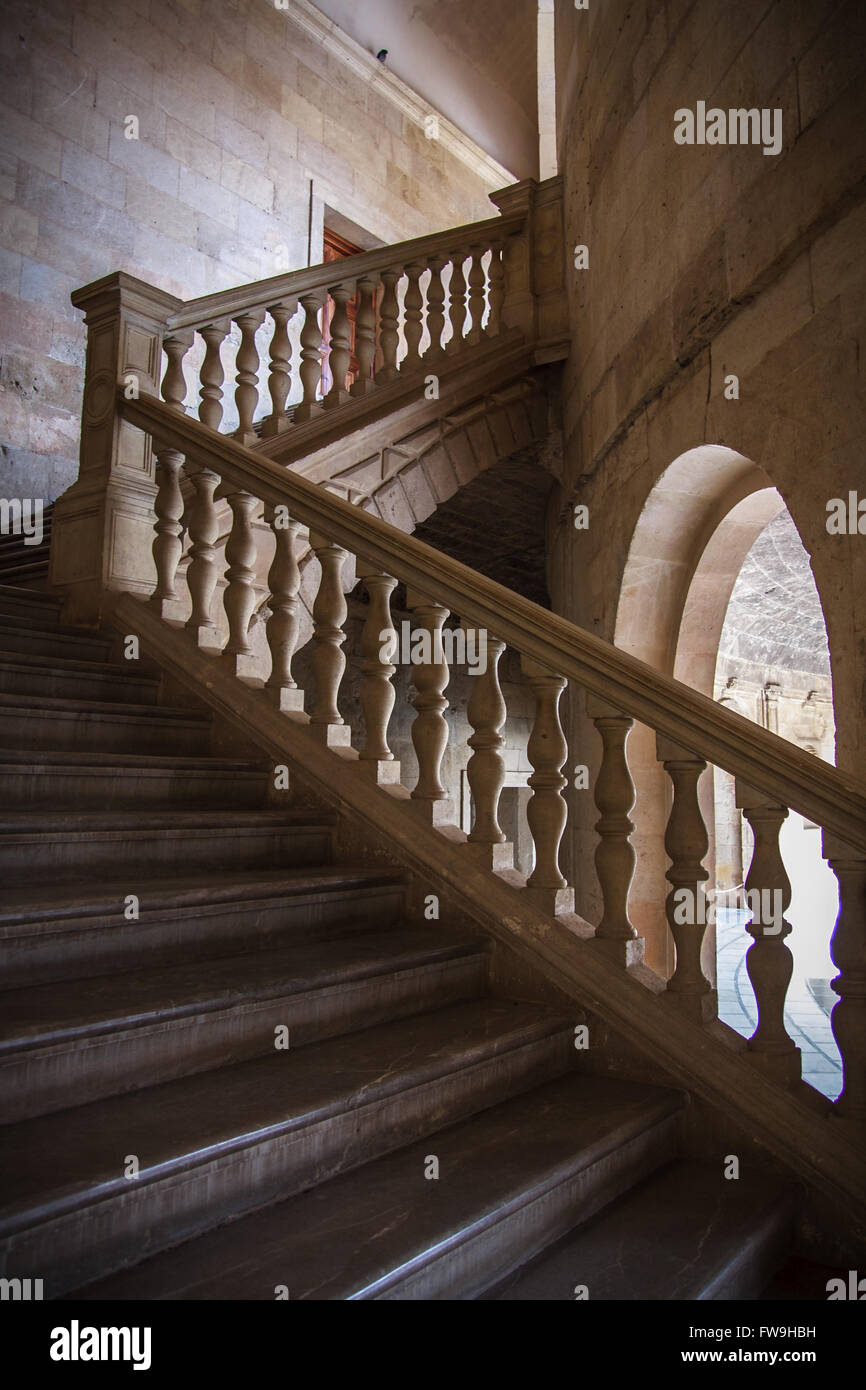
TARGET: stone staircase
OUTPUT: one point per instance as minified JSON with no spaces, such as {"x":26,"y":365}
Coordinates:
{"x":168,"y":919}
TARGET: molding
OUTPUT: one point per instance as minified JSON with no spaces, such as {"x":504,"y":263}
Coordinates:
{"x":337,"y":42}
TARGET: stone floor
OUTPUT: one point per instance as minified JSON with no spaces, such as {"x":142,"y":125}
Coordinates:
{"x":806,"y":1021}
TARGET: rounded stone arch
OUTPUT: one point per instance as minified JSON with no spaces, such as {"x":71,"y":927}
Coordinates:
{"x":696,"y":527}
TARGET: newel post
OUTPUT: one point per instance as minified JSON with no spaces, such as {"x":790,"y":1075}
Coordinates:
{"x":103,"y":524}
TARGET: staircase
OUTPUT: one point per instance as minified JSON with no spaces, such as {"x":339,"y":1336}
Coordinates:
{"x":288,"y":1079}
{"x":147,"y":1102}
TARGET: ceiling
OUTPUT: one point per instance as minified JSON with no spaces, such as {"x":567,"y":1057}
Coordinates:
{"x":474,"y":62}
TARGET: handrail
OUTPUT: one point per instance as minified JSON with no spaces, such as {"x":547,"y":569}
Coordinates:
{"x":196,"y":313}
{"x":765,"y":761}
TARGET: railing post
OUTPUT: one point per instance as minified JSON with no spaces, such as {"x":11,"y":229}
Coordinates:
{"x":848,"y":949}
{"x":280,"y":377}
{"x":429,"y":728}
{"x":239,"y":599}
{"x":284,"y":582}
{"x":247,"y":380}
{"x":377,"y":692}
{"x":311,"y":355}
{"x":329,"y":662}
{"x":202,"y":571}
{"x":547,"y":812}
{"x":768,"y":960}
{"x":340,"y":355}
{"x":168,"y":506}
{"x":614,"y":855}
{"x":365,"y":337}
{"x":212,"y":375}
{"x":485,"y":771}
{"x":687,"y":842}
{"x":103,"y":524}
{"x":389,"y":334}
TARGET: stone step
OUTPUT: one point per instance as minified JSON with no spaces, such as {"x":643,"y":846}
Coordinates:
{"x":52,"y":933}
{"x":24,"y":570}
{"x":122,"y":781}
{"x":41,"y":847}
{"x":28,"y":603}
{"x":213,"y":1146}
{"x":17,"y":634}
{"x":44,"y":723}
{"x":28,"y":674}
{"x":510,"y":1180}
{"x":117,"y":1033}
{"x":687,"y":1233}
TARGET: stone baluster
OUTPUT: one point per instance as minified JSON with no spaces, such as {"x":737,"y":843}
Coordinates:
{"x":378,"y":643}
{"x":769,"y":962}
{"x":280,"y":378}
{"x":284,"y":582}
{"x":413,"y":308}
{"x":168,"y":506}
{"x":365,"y":336}
{"x":311,"y":355}
{"x":389,"y":335}
{"x":239,"y":599}
{"x":340,"y":354}
{"x":212,"y":375}
{"x":614,"y":855}
{"x":203,"y":570}
{"x":457,"y":292}
{"x":547,"y":812}
{"x":247,"y":367}
{"x":485,"y":771}
{"x":496,"y":291}
{"x":435,"y":308}
{"x":848,"y":949}
{"x":686,"y":842}
{"x":329,"y":661}
{"x":477,"y":281}
{"x":429,"y":728}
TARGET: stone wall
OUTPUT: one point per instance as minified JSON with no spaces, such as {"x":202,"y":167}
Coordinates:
{"x":706,"y":262}
{"x":239,"y":112}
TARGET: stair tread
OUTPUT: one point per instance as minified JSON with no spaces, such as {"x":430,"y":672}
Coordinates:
{"x":11,"y":591}
{"x":78,"y":899}
{"x":124,"y":823}
{"x":36,"y":661}
{"x":210,"y":1114}
{"x":107,"y":709}
{"x":45,"y":1014}
{"x":52,"y":630}
{"x":673,"y":1237}
{"x":67,"y":757}
{"x":350,"y":1236}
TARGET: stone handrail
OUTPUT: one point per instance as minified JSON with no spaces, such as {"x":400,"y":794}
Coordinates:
{"x":764,"y":760}
{"x":692,"y":730}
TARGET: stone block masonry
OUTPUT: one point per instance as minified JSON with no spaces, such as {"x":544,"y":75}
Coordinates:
{"x":236,"y":111}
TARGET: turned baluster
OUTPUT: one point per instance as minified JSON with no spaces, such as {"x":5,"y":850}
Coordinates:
{"x":284,"y":582}
{"x":280,"y":378}
{"x":311,"y":355}
{"x":769,"y":962}
{"x":210,"y":410}
{"x":686,"y":842}
{"x":329,"y":662}
{"x":496,"y":291}
{"x":202,"y":571}
{"x":485,"y":770}
{"x":477,"y":281}
{"x":378,"y":643}
{"x":340,"y":354}
{"x":365,"y":336}
{"x":389,"y":335}
{"x":435,"y":308}
{"x":614,"y":855}
{"x":457,"y":292}
{"x":239,"y":599}
{"x":547,"y":812}
{"x":413,"y":307}
{"x":168,"y":506}
{"x":247,"y":367}
{"x":430,"y":677}
{"x":848,"y":949}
